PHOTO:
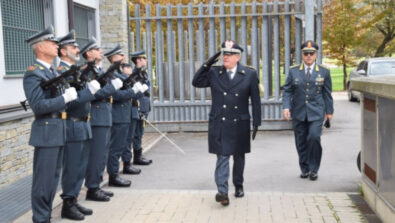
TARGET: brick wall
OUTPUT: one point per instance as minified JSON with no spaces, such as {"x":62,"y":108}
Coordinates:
{"x":16,"y":156}
{"x":113,"y":26}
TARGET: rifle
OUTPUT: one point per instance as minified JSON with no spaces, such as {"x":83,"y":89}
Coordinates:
{"x":136,"y":76}
{"x":83,"y":76}
{"x":102,"y":79}
{"x":62,"y":81}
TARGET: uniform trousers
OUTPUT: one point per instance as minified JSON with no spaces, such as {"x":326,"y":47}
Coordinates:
{"x":222,"y":171}
{"x":127,"y":153}
{"x":75,"y":162}
{"x":98,"y":154}
{"x":138,"y":134}
{"x":47,"y":164}
{"x":308,"y":144}
{"x":119,"y":134}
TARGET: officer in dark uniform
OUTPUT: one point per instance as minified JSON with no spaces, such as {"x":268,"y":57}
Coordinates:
{"x":48,"y":132}
{"x":140,"y":109}
{"x":128,"y":168}
{"x":78,"y":132}
{"x":121,"y":120}
{"x":101,"y":122}
{"x":307,"y":99}
{"x":232,"y":84}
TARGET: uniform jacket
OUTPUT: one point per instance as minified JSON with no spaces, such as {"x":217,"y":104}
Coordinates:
{"x":143,"y":104}
{"x":101,"y":107}
{"x":311,"y":98}
{"x":45,"y":131}
{"x":229,"y":118}
{"x":121,"y":111}
{"x":77,"y":130}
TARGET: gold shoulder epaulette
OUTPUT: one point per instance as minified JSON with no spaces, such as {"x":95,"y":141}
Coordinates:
{"x":35,"y":66}
{"x":294,"y":66}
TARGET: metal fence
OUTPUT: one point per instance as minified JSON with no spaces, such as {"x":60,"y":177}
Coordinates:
{"x":179,"y":38}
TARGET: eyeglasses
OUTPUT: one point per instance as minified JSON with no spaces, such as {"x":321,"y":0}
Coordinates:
{"x":308,"y":53}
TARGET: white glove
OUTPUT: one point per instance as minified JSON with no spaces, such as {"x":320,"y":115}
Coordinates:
{"x":70,"y":94}
{"x":117,"y":83}
{"x":144,"y":88}
{"x":93,"y":86}
{"x":136,"y":87}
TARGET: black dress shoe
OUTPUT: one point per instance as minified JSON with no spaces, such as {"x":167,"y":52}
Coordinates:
{"x":222,"y":198}
{"x":117,"y":181}
{"x":129,"y":169}
{"x":304,"y":175}
{"x":70,"y":210}
{"x":313,"y":176}
{"x":239,"y":191}
{"x":82,"y":209}
{"x":139,"y":159}
{"x":106,"y":192}
{"x":96,"y":195}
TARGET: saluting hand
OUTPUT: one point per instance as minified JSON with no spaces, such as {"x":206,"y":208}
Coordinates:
{"x":287,"y":114}
{"x":212,"y":60}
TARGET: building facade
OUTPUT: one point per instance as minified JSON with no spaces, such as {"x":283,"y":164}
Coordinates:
{"x":20,"y":19}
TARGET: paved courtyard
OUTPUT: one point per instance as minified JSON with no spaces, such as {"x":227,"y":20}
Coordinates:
{"x":181,"y":188}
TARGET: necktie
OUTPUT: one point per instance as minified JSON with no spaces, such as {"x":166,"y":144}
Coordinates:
{"x":229,"y":73}
{"x":52,"y":69}
{"x":308,"y":73}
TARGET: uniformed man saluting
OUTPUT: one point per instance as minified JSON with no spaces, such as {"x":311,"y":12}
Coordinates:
{"x":307,"y":99}
{"x":48,"y":134}
{"x":232,"y":84}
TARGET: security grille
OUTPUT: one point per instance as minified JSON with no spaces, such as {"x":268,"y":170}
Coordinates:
{"x":21,"y":19}
{"x":84,"y":23}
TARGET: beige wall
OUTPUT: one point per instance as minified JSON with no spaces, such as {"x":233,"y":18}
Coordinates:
{"x":113,"y":25}
{"x":16,"y":156}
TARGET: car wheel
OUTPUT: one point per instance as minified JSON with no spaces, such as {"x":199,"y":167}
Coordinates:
{"x":359,"y":161}
{"x":351,"y":97}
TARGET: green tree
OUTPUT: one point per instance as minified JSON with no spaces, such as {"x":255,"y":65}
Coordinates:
{"x":343,"y":25}
{"x":384,"y":10}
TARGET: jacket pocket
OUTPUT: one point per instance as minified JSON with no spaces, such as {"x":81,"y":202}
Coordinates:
{"x":47,"y":133}
{"x":244,"y":116}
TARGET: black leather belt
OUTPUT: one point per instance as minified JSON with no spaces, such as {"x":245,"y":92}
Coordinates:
{"x":109,"y":100}
{"x":80,"y":119}
{"x":61,"y":115}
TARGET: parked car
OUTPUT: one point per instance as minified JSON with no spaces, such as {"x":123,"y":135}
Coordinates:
{"x":379,"y":66}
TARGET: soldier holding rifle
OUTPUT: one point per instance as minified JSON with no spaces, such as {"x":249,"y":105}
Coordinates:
{"x":121,"y":120}
{"x":78,"y":131}
{"x":101,"y":122}
{"x":48,"y":132}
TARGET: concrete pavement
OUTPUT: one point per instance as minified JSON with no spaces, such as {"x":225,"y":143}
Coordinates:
{"x":181,"y":188}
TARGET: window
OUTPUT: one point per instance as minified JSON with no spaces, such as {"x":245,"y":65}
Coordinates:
{"x":84,"y":24}
{"x":21,"y":19}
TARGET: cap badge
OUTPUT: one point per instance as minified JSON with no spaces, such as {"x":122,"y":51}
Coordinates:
{"x":229,"y":44}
